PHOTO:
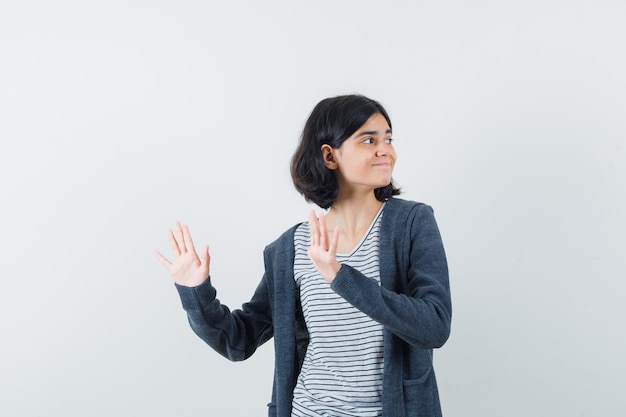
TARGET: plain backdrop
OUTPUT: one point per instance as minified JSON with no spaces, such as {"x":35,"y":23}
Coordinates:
{"x":118,"y":118}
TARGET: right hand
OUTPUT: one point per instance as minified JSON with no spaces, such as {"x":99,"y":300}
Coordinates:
{"x":188,"y":269}
{"x":323,"y":249}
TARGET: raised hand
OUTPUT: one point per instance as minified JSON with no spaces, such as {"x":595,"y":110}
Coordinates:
{"x":187,"y":269}
{"x":323,"y":252}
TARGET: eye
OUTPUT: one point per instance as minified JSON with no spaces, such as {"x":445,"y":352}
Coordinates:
{"x":367,"y":141}
{"x":388,"y":141}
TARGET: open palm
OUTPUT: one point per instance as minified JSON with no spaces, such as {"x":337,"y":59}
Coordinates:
{"x":323,"y":250}
{"x":188,"y":269}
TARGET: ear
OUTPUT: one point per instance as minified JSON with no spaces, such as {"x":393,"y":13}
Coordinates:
{"x":328,"y":156}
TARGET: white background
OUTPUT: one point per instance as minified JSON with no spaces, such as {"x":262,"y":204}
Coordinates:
{"x":119,"y":117}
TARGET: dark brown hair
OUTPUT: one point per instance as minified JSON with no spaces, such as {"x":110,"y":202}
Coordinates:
{"x":332,"y":121}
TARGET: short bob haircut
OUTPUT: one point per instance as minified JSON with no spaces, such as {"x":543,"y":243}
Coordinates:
{"x":332,"y":121}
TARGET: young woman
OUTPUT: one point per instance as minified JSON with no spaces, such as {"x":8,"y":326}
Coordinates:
{"x":355,"y":299}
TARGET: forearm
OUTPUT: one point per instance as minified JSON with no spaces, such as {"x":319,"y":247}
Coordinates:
{"x":421,"y":321}
{"x":234,"y":334}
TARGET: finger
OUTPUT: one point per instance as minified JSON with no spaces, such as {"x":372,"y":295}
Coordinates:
{"x":206,"y":258}
{"x":187,"y":240}
{"x":313,"y":228}
{"x":332,"y":249}
{"x":173,"y":243}
{"x":163,"y":259}
{"x":179,"y":237}
{"x":323,"y":234}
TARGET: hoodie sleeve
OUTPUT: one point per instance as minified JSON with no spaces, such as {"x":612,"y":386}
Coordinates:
{"x":234,"y":334}
{"x":421,"y":315}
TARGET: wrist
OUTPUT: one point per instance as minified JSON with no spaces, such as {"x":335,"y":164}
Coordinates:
{"x":332,"y":273}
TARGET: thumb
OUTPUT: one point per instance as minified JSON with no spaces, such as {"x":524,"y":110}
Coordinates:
{"x":206,"y":258}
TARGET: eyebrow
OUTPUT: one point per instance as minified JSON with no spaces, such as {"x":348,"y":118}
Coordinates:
{"x":372,"y":132}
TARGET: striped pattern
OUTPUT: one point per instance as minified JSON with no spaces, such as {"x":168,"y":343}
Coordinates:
{"x":343,"y":366}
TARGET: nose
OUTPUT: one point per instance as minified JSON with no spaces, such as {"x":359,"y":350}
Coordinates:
{"x":383,"y":149}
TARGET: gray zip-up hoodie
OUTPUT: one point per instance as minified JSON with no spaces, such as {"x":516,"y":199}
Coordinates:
{"x":412,"y":302}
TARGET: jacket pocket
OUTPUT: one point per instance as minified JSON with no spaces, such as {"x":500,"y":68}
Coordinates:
{"x":420,"y":397}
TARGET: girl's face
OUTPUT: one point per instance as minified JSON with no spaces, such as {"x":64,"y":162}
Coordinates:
{"x":366,"y":159}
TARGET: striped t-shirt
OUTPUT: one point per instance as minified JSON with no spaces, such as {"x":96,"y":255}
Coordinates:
{"x":342,"y":371}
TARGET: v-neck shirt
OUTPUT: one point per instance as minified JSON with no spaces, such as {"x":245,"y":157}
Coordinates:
{"x":342,"y":371}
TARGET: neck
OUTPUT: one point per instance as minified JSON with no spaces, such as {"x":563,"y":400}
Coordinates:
{"x":353,"y":215}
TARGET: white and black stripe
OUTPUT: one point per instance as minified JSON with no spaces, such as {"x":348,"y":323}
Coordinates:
{"x":343,"y":366}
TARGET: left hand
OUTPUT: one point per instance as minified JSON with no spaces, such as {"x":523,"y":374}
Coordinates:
{"x":323,"y":252}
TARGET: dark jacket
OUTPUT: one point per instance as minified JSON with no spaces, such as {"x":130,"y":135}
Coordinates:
{"x":412,"y":302}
